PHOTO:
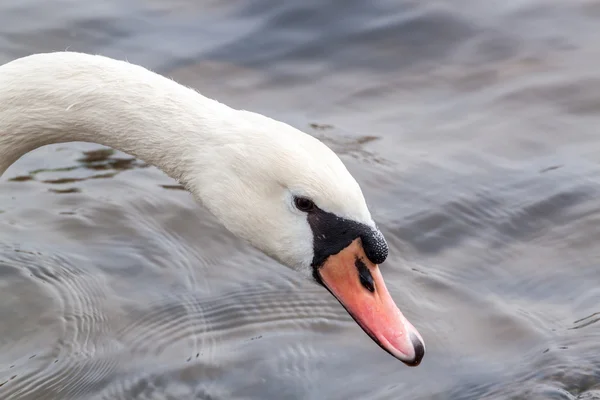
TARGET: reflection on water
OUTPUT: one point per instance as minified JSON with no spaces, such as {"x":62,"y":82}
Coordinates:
{"x":472,"y":129}
{"x":96,"y":160}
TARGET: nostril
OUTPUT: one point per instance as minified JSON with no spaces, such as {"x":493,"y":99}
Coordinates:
{"x":366,"y":279}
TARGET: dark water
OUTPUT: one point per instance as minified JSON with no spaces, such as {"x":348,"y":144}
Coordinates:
{"x":473,"y":128}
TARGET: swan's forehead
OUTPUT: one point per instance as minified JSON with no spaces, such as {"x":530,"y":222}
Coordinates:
{"x":344,"y":201}
{"x":321,"y":176}
{"x":307,"y":167}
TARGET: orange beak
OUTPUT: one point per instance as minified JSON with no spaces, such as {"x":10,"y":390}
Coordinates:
{"x":358,"y":285}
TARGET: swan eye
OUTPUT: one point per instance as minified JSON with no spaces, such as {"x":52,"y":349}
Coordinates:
{"x":304,"y":204}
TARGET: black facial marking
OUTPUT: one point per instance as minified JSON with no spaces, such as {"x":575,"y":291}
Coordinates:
{"x":366,"y":279}
{"x":332,"y":234}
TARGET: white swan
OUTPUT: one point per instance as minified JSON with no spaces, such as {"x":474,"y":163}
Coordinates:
{"x":280,"y":189}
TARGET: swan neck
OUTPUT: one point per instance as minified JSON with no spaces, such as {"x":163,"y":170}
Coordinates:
{"x":66,"y":97}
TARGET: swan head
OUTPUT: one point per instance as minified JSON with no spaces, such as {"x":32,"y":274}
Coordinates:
{"x":290,"y":196}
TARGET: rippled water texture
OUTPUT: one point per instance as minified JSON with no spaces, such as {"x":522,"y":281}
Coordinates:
{"x":472,"y":127}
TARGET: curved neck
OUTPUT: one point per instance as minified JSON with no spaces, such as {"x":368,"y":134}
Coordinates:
{"x":65,"y":97}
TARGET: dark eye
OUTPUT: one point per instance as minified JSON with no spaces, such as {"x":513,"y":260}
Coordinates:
{"x":304,"y":204}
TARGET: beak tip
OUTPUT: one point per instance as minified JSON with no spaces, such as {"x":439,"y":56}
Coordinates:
{"x":419,"y":348}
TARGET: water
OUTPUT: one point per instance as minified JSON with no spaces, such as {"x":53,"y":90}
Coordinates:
{"x":473,"y":130}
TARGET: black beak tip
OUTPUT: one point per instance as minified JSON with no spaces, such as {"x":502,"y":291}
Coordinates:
{"x":419,"y":351}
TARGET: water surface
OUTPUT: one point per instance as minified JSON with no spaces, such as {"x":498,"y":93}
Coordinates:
{"x":473,"y":130}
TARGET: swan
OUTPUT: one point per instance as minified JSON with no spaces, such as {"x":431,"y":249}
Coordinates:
{"x":279,"y":189}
